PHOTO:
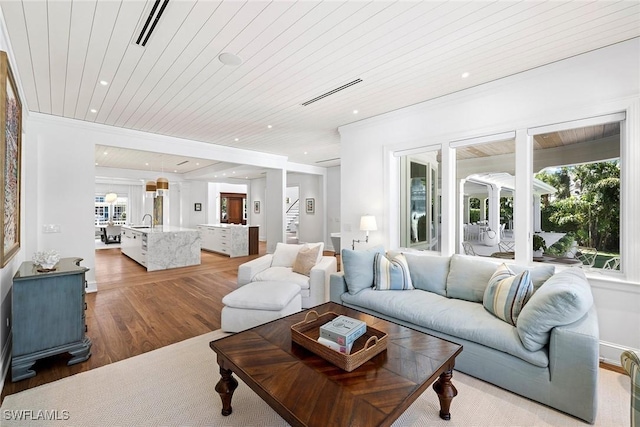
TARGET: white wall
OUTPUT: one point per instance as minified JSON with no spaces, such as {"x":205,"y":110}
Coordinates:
{"x":257,"y":193}
{"x":600,"y":82}
{"x":333,"y":204}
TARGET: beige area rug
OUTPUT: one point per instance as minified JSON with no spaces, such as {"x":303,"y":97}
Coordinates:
{"x":174,"y":386}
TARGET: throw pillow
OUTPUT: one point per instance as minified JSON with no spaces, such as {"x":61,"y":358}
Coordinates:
{"x":306,"y":259}
{"x":507,"y":293}
{"x":563,"y":299}
{"x":391,"y":274}
{"x":358,"y":268}
{"x":285,"y":254}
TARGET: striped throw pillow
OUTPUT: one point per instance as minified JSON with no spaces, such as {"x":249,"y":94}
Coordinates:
{"x":507,"y":293}
{"x":391,"y":274}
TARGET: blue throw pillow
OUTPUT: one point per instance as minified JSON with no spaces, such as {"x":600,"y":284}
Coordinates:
{"x":391,"y":275}
{"x":358,"y":268}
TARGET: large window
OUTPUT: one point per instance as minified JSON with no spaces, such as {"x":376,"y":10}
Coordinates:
{"x":579,"y":217}
{"x":106,"y":213}
{"x":486,"y":187}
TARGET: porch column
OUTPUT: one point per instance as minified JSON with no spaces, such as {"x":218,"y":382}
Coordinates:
{"x":466,"y":216}
{"x":492,"y":237}
{"x":537,"y":213}
{"x":483,"y":208}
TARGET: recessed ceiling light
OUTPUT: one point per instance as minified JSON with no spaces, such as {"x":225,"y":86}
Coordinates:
{"x":175,"y":171}
{"x":96,"y":163}
{"x":224,"y":174}
{"x":230,"y":59}
{"x":246,"y":177}
{"x":465,"y":75}
{"x":197,"y":164}
{"x":355,"y":111}
{"x":269,"y":126}
{"x":146,"y":164}
{"x":215,"y":176}
{"x":237,"y":139}
{"x":104,"y":82}
{"x":93,"y":110}
{"x":105,"y":153}
{"x":305,"y":152}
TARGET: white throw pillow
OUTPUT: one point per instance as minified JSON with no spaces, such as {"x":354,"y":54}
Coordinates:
{"x":285,"y":254}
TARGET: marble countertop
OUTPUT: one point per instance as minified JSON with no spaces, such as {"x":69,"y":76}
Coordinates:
{"x":158,"y":228}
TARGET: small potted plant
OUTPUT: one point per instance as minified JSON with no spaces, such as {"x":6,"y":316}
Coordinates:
{"x":539,"y":246}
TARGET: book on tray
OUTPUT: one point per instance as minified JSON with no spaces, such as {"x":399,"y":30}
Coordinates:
{"x":343,"y":331}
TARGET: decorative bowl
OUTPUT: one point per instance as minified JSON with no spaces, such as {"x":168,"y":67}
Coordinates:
{"x":46,"y":259}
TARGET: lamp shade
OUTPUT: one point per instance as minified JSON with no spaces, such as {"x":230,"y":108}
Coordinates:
{"x":162,"y":184}
{"x":111,"y":197}
{"x":150,"y":186}
{"x":368,"y":223}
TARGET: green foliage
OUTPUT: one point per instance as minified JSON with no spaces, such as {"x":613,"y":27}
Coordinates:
{"x":539,"y":243}
{"x":586,"y":203}
{"x":474,"y":215}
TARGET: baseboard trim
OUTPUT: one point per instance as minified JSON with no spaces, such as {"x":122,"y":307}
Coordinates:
{"x":92,"y":287}
{"x":610,"y":353}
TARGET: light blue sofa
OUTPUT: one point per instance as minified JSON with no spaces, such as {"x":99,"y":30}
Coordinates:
{"x":550,"y":356}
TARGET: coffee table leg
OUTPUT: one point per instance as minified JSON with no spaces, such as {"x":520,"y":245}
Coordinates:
{"x":446,"y":392}
{"x":225,"y":388}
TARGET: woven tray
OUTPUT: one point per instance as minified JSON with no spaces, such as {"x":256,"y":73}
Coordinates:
{"x":306,"y":334}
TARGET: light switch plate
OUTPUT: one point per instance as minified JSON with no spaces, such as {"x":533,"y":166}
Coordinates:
{"x":51,"y":228}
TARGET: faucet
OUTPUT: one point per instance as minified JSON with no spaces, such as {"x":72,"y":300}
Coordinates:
{"x":150,"y":220}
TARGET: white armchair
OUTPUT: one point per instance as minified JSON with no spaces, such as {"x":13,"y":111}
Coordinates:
{"x":314,"y":289}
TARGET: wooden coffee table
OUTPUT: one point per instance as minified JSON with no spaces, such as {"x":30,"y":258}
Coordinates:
{"x":306,"y":390}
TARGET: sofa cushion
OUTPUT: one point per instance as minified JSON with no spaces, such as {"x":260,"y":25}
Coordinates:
{"x":262,"y":296}
{"x":507,"y":293}
{"x":358,"y":268}
{"x":454,"y":317}
{"x":563,"y":299}
{"x":285,"y":254}
{"x":468,"y":277}
{"x":428,"y":272}
{"x":282,"y":274}
{"x":305,"y":260}
{"x":391,"y":274}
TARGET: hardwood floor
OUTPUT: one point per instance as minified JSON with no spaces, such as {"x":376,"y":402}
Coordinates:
{"x":135,"y":311}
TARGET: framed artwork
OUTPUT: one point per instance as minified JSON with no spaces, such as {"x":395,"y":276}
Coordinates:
{"x":256,"y":206}
{"x":197,"y":207}
{"x":310,"y":205}
{"x":11,"y":145}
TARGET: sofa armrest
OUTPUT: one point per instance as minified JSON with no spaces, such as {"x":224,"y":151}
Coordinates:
{"x":573,"y":365}
{"x":337,"y":287}
{"x":248,"y":270}
{"x":319,"y":280}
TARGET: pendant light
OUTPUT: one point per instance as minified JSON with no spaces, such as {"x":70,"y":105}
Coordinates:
{"x":150,"y":188}
{"x":162,"y":184}
{"x":110,"y":197}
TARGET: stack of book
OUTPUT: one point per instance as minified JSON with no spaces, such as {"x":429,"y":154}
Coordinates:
{"x":340,"y":333}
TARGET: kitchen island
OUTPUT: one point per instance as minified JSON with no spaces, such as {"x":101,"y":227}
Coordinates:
{"x":232,"y":240}
{"x":161,"y":247}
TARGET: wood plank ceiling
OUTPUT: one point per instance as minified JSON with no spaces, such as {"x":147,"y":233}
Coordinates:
{"x":404,"y":52}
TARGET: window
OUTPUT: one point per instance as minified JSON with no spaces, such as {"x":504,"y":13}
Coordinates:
{"x":579,"y":213}
{"x":486,"y":185}
{"x":110,"y":212}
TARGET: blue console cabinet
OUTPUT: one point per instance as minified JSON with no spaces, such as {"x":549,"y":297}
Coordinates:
{"x":48,"y":312}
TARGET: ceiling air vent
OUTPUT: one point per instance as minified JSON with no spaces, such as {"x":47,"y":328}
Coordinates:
{"x":328,"y":160}
{"x":331,"y":92}
{"x":152,"y":20}
{"x":182,"y":163}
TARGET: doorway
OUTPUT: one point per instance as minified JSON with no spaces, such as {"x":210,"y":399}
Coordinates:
{"x":233,"y":208}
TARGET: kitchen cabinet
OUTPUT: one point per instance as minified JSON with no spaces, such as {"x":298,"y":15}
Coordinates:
{"x":231,"y":240}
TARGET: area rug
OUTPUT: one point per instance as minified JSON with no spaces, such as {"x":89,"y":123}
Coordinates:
{"x":174,"y":386}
